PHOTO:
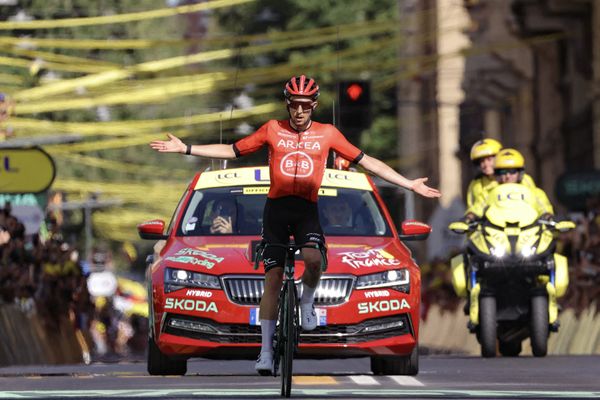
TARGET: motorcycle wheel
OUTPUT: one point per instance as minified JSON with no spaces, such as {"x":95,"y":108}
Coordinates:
{"x":510,"y":349}
{"x":487,"y":326}
{"x":539,"y":326}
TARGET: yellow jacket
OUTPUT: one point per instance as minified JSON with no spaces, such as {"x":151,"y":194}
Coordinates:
{"x":535,"y":197}
{"x":480,"y":187}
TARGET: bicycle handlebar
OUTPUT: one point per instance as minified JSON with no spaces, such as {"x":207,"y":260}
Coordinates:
{"x":260,"y":249}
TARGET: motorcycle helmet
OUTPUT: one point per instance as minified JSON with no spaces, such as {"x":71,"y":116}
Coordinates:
{"x":485,"y":148}
{"x":509,"y":159}
{"x":301,"y":86}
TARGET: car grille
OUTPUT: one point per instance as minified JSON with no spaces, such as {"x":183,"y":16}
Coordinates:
{"x":330,"y":334}
{"x":247,"y":290}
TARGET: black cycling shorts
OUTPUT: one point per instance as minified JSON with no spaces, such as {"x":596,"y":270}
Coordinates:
{"x":287,"y":216}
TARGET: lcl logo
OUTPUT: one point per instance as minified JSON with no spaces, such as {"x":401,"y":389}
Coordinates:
{"x":5,"y":165}
{"x":512,"y":196}
{"x":227,"y":175}
{"x":340,"y":176}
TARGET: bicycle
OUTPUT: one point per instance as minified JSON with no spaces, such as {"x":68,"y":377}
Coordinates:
{"x":287,"y":333}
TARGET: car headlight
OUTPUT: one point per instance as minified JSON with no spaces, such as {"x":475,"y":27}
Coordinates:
{"x":498,"y":251}
{"x":398,"y":279}
{"x":176,"y":279}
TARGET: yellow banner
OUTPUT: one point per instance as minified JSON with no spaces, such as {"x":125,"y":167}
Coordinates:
{"x":25,"y":170}
{"x":260,"y":176}
{"x":119,"y":18}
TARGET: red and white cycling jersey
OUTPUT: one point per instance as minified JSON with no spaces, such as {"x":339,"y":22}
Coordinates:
{"x":297,"y":160}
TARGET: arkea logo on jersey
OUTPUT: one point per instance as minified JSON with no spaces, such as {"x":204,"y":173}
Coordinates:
{"x":296,"y":164}
{"x":294,"y":144}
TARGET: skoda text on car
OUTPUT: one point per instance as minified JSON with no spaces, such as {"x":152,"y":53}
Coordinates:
{"x":205,"y":295}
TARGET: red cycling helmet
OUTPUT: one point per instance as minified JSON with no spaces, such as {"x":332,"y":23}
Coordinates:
{"x":301,"y":86}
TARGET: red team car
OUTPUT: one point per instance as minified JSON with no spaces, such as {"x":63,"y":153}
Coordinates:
{"x":204,"y":293}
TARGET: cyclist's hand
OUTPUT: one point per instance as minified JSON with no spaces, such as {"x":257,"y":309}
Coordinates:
{"x":174,"y":145}
{"x":418,"y":186}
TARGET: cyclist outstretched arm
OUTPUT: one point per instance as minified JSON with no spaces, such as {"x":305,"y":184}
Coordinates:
{"x":175,"y":145}
{"x":385,"y":172}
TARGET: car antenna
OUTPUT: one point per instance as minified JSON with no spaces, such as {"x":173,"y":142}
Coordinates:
{"x":337,"y":85}
{"x":222,"y":162}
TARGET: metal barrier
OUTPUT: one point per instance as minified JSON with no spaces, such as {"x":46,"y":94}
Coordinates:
{"x":446,"y":331}
{"x":24,"y":340}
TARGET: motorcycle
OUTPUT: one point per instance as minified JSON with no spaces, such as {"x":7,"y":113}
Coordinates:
{"x":510,"y":273}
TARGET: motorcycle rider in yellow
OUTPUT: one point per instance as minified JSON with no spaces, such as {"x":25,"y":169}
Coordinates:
{"x":512,"y":236}
{"x":509,"y":167}
{"x":483,"y":154}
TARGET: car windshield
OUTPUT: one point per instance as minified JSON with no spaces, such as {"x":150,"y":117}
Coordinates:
{"x":239,"y":211}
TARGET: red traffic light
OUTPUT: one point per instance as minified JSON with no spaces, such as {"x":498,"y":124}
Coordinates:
{"x":354,"y":91}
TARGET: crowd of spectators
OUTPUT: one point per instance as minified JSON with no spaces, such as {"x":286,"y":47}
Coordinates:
{"x":582,"y":248}
{"x":43,"y":275}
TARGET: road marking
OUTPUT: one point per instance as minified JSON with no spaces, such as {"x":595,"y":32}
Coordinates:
{"x":307,"y":392}
{"x":364,"y":380}
{"x":406,"y":380}
{"x":313,"y":380}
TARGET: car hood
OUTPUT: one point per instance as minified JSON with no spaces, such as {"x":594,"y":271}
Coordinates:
{"x":234,"y":254}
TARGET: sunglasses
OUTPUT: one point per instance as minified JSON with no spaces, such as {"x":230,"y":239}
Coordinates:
{"x":506,"y":171}
{"x":304,"y":105}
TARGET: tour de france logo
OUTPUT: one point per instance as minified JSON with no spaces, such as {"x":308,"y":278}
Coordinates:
{"x":297,"y":164}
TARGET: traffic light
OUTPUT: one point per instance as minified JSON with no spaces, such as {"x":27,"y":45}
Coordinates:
{"x":355,"y":108}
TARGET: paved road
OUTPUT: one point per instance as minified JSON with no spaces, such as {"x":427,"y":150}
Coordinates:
{"x":440,"y":377}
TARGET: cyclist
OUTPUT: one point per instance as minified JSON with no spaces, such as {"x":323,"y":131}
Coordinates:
{"x":298,"y":151}
{"x":483,"y":153}
{"x":509,"y":167}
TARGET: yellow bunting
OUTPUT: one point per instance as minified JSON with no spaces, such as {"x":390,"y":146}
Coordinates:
{"x":61,"y":58}
{"x":22,"y":63}
{"x":120,"y":128}
{"x":119,"y":18}
{"x":137,"y":169}
{"x":103,"y":78}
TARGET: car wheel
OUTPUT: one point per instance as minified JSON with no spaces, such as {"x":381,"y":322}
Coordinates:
{"x":539,"y":326}
{"x":510,"y":349}
{"x":160,"y":364}
{"x":376,"y":365}
{"x":487,"y":326}
{"x":396,"y":365}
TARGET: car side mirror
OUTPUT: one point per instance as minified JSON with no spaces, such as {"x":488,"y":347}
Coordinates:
{"x":152,"y":230}
{"x":565,"y":226}
{"x":459,"y":227}
{"x":414,"y":230}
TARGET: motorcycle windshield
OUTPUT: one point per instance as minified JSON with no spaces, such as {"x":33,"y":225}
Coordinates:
{"x":511,"y":203}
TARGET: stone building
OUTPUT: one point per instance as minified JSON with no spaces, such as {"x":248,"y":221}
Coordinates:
{"x":532,"y":80}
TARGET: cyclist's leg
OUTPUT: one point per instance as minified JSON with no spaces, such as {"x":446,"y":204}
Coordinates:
{"x":307,"y":229}
{"x":274,"y":231}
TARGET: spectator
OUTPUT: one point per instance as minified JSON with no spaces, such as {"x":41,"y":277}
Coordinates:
{"x":223,"y":216}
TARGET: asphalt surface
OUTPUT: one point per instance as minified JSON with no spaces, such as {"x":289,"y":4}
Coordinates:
{"x":439,"y":377}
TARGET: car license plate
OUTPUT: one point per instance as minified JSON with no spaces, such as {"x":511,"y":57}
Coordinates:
{"x":321,"y":314}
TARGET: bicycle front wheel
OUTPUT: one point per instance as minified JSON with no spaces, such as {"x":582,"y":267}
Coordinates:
{"x":289,"y":337}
